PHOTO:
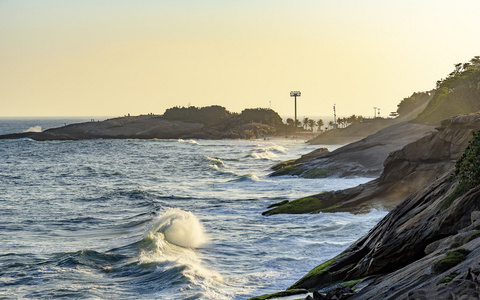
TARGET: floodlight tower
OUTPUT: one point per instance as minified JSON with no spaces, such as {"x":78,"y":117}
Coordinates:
{"x":375,"y":112}
{"x":295,"y":94}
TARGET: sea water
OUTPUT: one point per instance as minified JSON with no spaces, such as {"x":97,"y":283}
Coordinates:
{"x":158,"y":219}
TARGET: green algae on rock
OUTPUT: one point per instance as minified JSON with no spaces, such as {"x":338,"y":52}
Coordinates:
{"x":280,"y":294}
{"x":452,"y":259}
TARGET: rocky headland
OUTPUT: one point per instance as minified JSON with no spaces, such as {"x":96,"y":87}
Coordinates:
{"x":213,"y":122}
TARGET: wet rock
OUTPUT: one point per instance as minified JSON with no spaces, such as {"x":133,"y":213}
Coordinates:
{"x":318,"y":296}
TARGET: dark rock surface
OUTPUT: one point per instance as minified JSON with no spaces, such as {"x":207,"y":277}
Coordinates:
{"x":393,"y":254}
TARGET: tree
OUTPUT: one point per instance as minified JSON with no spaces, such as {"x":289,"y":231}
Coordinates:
{"x":290,"y":121}
{"x":319,"y":125}
{"x":330,"y":124}
{"x":311,"y":124}
{"x":411,"y":103}
{"x":305,"y":122}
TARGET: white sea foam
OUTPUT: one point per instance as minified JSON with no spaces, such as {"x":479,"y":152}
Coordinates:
{"x":181,"y":228}
{"x":173,"y":238}
{"x":218,"y":162}
{"x":246,"y":177}
{"x":34,"y":129}
{"x":214,"y":167}
{"x":188,"y":141}
{"x":263,"y":154}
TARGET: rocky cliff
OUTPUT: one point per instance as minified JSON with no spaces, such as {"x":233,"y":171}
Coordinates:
{"x":405,"y":171}
{"x":428,"y":246}
{"x":362,"y":158}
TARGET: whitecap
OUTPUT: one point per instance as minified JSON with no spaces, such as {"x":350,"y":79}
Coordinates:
{"x":36,"y":128}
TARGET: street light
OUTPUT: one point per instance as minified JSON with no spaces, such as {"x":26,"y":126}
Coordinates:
{"x":295,"y":94}
{"x":375,"y":110}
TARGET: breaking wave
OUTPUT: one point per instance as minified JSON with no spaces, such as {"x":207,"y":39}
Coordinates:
{"x":188,"y":141}
{"x":173,"y":240}
{"x":267,"y":152}
{"x":246,"y":177}
{"x":34,"y":129}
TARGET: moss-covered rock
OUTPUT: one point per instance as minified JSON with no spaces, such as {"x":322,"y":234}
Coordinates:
{"x":327,"y":202}
{"x":448,"y":278}
{"x":289,"y":169}
{"x":299,"y":206}
{"x":316,"y":173}
{"x":283,"y":164}
{"x":352,"y":283}
{"x":452,"y":259}
{"x":280,"y":294}
{"x":319,"y":272}
{"x":278,"y":204}
{"x":466,"y":239}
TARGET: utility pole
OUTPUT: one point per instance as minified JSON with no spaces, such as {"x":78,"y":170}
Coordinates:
{"x":375,"y":112}
{"x":295,"y":94}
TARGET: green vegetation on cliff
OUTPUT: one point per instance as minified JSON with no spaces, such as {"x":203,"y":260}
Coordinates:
{"x":458,"y":94}
{"x":467,"y":168}
{"x":408,"y":105}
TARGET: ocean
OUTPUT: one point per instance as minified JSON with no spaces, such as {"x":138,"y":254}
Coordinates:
{"x":158,"y":219}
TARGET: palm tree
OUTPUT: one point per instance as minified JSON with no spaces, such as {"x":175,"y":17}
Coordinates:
{"x":319,"y":125}
{"x":305,"y":122}
{"x":330,"y":124}
{"x":311,"y":124}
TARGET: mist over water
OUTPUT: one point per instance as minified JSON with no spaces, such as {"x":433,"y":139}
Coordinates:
{"x":159,"y":219}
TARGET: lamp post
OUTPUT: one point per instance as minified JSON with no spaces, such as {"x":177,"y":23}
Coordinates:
{"x":295,"y":94}
{"x":375,"y":112}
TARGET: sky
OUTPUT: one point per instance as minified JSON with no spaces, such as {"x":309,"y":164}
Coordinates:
{"x":117,"y":57}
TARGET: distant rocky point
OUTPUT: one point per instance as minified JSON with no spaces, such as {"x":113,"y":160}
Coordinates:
{"x":213,"y":122}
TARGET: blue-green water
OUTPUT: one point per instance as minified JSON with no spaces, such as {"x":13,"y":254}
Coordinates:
{"x":158,"y":219}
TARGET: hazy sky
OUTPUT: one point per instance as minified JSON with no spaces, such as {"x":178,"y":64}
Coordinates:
{"x":110,"y":58}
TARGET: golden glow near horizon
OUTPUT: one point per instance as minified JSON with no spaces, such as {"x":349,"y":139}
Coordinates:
{"x":110,"y":58}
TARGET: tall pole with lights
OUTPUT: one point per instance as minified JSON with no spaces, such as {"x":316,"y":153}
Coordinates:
{"x":295,"y":94}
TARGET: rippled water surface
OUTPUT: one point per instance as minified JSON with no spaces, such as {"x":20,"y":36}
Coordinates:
{"x":158,"y":219}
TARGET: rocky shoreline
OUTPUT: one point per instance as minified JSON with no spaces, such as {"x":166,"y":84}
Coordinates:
{"x":404,"y":171}
{"x":428,"y":246}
